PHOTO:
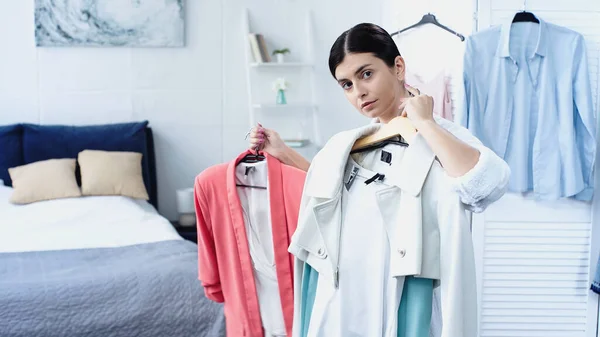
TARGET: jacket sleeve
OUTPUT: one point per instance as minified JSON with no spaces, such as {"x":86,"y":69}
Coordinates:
{"x":208,"y":269}
{"x":584,"y":120}
{"x":487,"y":181}
{"x":457,"y":285}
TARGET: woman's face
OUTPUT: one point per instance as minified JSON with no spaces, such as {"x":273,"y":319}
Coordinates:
{"x":371,"y":86}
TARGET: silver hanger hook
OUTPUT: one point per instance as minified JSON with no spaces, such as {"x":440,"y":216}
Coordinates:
{"x":524,"y":5}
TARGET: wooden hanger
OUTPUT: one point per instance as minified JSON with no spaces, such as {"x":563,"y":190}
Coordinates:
{"x":394,"y":140}
{"x":399,"y":126}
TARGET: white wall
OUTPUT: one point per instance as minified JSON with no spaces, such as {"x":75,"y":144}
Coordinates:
{"x":194,"y":97}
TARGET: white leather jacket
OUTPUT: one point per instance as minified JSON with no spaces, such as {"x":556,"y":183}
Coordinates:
{"x":427,"y":217}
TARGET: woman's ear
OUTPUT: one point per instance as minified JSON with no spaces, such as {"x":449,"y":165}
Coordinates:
{"x":399,"y":68}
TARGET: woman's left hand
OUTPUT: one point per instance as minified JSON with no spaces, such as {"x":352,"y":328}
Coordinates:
{"x":419,"y":109}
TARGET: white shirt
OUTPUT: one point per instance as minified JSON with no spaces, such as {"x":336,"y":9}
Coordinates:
{"x":257,"y":217}
{"x":368,"y":297}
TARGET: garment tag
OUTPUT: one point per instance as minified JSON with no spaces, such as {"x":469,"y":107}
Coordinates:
{"x":351,"y":177}
{"x":248,"y":169}
{"x":386,"y":157}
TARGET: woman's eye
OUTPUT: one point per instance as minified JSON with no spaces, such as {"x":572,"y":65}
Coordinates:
{"x":367,"y":74}
{"x":347,"y":85}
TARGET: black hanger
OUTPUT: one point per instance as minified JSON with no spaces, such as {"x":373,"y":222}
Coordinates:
{"x":395,"y":140}
{"x":525,"y":16}
{"x":251,"y":158}
{"x":250,"y":186}
{"x":430,"y":18}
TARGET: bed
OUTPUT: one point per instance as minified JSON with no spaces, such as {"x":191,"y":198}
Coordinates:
{"x":96,"y":265}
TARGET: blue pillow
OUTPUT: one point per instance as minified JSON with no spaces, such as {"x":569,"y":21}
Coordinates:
{"x":11,"y":150}
{"x":42,"y":142}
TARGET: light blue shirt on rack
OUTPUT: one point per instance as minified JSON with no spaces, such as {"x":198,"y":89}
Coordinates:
{"x":528,"y":98}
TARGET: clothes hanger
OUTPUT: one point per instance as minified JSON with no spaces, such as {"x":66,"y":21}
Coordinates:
{"x":430,"y":18}
{"x":251,"y":158}
{"x":394,"y":140}
{"x":525,"y":16}
{"x":399,"y":126}
{"x":250,"y":186}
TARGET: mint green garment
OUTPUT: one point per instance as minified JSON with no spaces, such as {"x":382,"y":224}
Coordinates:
{"x":309,"y":290}
{"x":414,"y":313}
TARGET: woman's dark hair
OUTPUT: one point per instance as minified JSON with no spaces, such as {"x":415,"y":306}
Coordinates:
{"x":363,"y":38}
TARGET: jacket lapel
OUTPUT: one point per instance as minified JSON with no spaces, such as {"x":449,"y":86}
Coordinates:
{"x":328,"y":218}
{"x":239,"y":228}
{"x":328,"y":165}
{"x":321,"y":237}
{"x":281,"y":240}
{"x":401,"y":208}
{"x":414,"y":168}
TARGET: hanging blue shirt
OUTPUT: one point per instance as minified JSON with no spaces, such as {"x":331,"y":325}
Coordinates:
{"x":528,"y":98}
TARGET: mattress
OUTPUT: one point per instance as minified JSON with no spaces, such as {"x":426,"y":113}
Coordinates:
{"x":84,"y":222}
{"x":98,"y":266}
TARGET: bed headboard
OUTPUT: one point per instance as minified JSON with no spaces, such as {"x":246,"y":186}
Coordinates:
{"x":151,"y":185}
{"x":22,"y":144}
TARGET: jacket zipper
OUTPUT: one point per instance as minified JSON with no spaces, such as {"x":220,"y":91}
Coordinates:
{"x":336,"y":273}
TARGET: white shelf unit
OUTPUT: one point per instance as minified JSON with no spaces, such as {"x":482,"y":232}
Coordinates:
{"x":295,"y":121}
{"x":289,"y":106}
{"x":280,"y":65}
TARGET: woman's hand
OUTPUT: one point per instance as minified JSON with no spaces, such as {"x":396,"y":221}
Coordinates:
{"x":419,"y":109}
{"x":267,"y":140}
{"x":456,"y":156}
{"x":270,"y":142}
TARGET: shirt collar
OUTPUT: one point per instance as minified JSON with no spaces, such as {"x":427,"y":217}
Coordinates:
{"x":503,"y":49}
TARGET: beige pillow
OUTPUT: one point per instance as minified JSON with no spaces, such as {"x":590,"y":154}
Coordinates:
{"x":112,"y":173}
{"x":44,"y":180}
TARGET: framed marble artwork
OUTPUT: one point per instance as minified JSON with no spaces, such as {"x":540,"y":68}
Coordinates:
{"x":109,"y":23}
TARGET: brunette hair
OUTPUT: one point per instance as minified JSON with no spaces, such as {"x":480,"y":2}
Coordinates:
{"x":363,"y":38}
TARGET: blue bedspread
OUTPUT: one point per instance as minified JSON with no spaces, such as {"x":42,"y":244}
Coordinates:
{"x":146,"y":290}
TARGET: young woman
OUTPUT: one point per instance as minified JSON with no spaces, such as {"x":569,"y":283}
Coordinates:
{"x":367,"y":65}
